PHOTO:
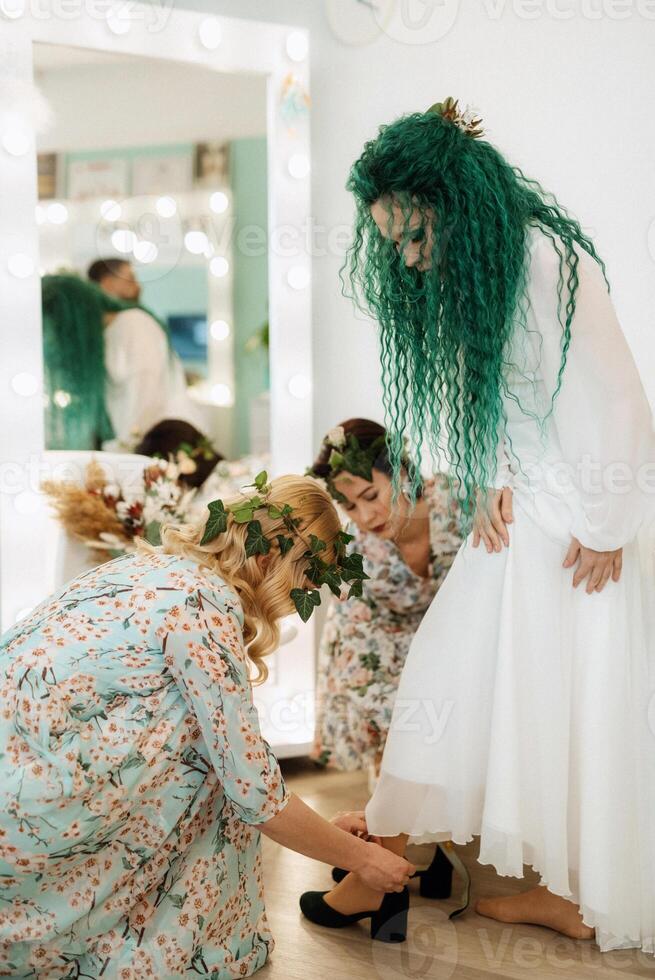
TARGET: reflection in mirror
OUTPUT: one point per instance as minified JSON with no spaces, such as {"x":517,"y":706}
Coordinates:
{"x":153,"y":238}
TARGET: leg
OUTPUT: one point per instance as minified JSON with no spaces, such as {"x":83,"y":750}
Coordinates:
{"x":352,"y":895}
{"x":537,"y":907}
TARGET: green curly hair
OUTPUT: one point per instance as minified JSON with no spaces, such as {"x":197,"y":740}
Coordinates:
{"x":444,"y":331}
{"x":74,"y":361}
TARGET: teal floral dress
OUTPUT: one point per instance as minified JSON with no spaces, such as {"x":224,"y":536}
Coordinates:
{"x":132,"y":773}
{"x":365,"y":642}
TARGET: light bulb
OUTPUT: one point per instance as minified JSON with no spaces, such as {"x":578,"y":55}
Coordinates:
{"x":17,"y":136}
{"x":145,"y":252}
{"x":196,"y":242}
{"x":25,"y":384}
{"x":218,"y":202}
{"x":210,"y":33}
{"x":297,"y":46}
{"x":123,"y":240}
{"x":20,"y":265}
{"x":111,"y":210}
{"x":118,"y":21}
{"x":298,"y":277}
{"x":299,"y":386}
{"x":221,"y":394}
{"x":57,"y":213}
{"x":166,"y":207}
{"x":298,"y":165}
{"x":219,"y":266}
{"x":220,"y":330}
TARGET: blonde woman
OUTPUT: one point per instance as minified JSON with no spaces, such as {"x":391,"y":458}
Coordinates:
{"x":134,"y":781}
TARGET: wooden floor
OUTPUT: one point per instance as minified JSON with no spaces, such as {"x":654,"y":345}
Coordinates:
{"x":471,"y":948}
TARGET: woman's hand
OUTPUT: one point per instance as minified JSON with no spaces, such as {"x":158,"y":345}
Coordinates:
{"x":383,"y":870}
{"x":353,"y":822}
{"x":490,"y":523}
{"x":597,"y":566}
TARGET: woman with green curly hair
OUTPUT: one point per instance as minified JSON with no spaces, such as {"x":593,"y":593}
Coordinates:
{"x":110,"y":372}
{"x":522,"y":714}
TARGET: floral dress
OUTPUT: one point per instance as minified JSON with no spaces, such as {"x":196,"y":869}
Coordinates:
{"x":365,"y":641}
{"x":132,"y":773}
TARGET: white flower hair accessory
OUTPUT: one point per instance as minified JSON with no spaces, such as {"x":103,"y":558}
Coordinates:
{"x":336,"y":437}
{"x":466,"y":120}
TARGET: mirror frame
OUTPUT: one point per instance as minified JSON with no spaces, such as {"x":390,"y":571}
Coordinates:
{"x":219,"y":43}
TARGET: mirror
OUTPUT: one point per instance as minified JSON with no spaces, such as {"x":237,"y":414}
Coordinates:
{"x":152,"y":181}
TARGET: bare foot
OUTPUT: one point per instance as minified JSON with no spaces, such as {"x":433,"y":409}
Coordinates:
{"x":537,"y":907}
{"x":351,"y":895}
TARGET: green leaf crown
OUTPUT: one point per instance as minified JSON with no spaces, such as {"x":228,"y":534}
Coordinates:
{"x":347,"y":456}
{"x":345,"y":569}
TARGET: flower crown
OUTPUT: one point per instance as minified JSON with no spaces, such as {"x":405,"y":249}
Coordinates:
{"x":348,"y":456}
{"x":347,"y":568}
{"x":466,"y":120}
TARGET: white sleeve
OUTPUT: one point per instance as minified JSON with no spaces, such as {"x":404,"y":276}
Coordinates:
{"x":601,"y":414}
{"x":136,"y":362}
{"x":503,"y":476}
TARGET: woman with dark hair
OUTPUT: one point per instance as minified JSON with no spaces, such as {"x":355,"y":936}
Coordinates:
{"x":497,"y":332}
{"x":190,"y":449}
{"x":407,"y":551}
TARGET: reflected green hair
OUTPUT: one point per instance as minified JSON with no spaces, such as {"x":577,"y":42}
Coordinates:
{"x":444,"y":332}
{"x":74,"y":361}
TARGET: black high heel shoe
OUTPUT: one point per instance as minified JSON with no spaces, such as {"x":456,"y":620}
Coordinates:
{"x":388,"y":923}
{"x":435,"y":881}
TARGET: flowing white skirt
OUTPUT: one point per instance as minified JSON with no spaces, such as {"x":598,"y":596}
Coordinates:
{"x":526,"y":715}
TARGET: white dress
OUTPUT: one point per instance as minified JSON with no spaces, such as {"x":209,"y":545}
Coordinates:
{"x":145,"y":380}
{"x":526,"y":709}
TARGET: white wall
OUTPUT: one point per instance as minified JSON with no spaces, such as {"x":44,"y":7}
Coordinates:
{"x":136,"y":101}
{"x":566,"y":98}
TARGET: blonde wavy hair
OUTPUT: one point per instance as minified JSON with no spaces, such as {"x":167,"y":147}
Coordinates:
{"x":265,"y":595}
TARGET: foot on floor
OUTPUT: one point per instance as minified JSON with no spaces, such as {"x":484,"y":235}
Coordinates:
{"x":537,"y":907}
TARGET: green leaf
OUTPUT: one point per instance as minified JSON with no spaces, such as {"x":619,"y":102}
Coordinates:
{"x":305,"y":602}
{"x":352,"y":567}
{"x":356,"y":590}
{"x":256,"y":541}
{"x":177,"y":900}
{"x":152,"y":532}
{"x":316,"y":544}
{"x":217,"y":522}
{"x":332,"y":579}
{"x":286,"y":510}
{"x":244,"y":514}
{"x":316,"y":569}
{"x":261,"y":480}
{"x":274,"y":513}
{"x":286,"y":544}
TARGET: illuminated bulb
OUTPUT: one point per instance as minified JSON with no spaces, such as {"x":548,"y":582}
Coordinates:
{"x":219,"y":267}
{"x":297,"y":46}
{"x":210,"y":33}
{"x":220,"y":330}
{"x":298,"y":277}
{"x":196,"y":242}
{"x":12,"y":9}
{"x":20,"y":265}
{"x":17,"y":138}
{"x":145,"y":252}
{"x":26,"y":502}
{"x":110,"y":210}
{"x":123,"y":240}
{"x":298,"y":165}
{"x":221,"y":394}
{"x":209,"y":251}
{"x":39,"y":213}
{"x":57,"y":213}
{"x":118,"y":21}
{"x":166,"y":207}
{"x":299,"y":386}
{"x":62,"y":399}
{"x":22,"y":613}
{"x":25,"y":384}
{"x":218,"y":202}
